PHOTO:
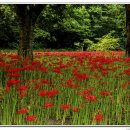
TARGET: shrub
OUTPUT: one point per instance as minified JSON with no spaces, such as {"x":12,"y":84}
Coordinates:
{"x":107,"y":42}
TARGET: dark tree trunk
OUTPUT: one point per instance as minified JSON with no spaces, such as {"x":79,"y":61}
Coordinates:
{"x":84,"y":48}
{"x":26,"y":31}
{"x":27,"y":16}
{"x":128,"y":29}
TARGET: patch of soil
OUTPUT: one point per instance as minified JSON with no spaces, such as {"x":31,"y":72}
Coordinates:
{"x":58,"y":122}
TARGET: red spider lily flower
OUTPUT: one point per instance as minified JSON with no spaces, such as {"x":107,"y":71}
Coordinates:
{"x":21,"y":88}
{"x":45,"y":81}
{"x":42,"y":93}
{"x":62,"y":65}
{"x":43,"y":69}
{"x":127,"y":59}
{"x":31,"y":118}
{"x":65,"y":106}
{"x":35,"y":63}
{"x":104,"y":93}
{"x":85,"y":92}
{"x":12,"y":82}
{"x":81,"y":77}
{"x":91,"y":98}
{"x":48,"y":104}
{"x":127,"y":71}
{"x":55,"y":91}
{"x":23,"y":93}
{"x":104,"y":73}
{"x":56,"y":70}
{"x":6,"y":89}
{"x":75,"y":109}
{"x":22,"y":111}
{"x":98,"y":117}
{"x":73,"y":86}
{"x":69,"y":81}
{"x":28,"y":67}
{"x":49,"y":94}
{"x":75,"y":70}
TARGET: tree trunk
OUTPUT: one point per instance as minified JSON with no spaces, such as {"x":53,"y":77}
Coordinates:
{"x":128,"y":29}
{"x":26,"y":32}
{"x":27,"y":16}
{"x":84,"y":47}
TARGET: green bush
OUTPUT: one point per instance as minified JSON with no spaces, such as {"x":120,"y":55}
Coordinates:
{"x":107,"y":42}
{"x":86,"y":44}
{"x":39,"y":37}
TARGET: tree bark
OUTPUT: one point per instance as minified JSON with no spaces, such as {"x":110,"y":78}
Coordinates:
{"x":26,"y":36}
{"x":128,"y":29}
{"x":84,"y":48}
{"x":27,"y":16}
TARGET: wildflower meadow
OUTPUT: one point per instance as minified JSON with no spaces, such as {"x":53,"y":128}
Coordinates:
{"x":65,"y":88}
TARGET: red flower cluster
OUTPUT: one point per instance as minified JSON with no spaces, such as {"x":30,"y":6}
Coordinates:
{"x":45,"y":81}
{"x":127,"y":71}
{"x":91,"y":98}
{"x":21,"y":88}
{"x":49,"y":94}
{"x":13,"y":70}
{"x":28,"y":67}
{"x":69,"y":84}
{"x":22,"y":111}
{"x":31,"y":118}
{"x":98,"y":117}
{"x":12,"y":82}
{"x":43,"y":70}
{"x":85,"y":92}
{"x":56,"y":70}
{"x":55,"y":91}
{"x":104,"y":73}
{"x":76,"y":68}
{"x":104,"y":93}
{"x":81,"y":77}
{"x":42,"y":93}
{"x":48,"y":105}
{"x":65,"y":106}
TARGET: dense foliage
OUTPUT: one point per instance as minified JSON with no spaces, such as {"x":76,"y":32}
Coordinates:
{"x":87,"y":27}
